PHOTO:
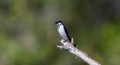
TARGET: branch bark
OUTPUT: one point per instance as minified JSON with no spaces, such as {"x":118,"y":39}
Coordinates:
{"x":74,"y":50}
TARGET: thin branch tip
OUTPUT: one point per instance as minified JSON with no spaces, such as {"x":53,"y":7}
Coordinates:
{"x":74,"y":50}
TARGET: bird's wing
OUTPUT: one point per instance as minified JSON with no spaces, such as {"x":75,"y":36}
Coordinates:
{"x":67,"y":34}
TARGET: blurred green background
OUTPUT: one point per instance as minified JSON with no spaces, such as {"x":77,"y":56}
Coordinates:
{"x":28,"y":35}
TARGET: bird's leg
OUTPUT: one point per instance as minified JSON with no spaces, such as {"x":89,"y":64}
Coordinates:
{"x":62,"y":41}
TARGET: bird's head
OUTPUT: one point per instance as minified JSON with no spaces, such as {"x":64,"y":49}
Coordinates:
{"x":58,"y":22}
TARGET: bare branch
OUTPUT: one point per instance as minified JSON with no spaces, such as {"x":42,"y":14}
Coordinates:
{"x":72,"y":49}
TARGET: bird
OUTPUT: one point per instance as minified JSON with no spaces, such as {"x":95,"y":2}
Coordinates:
{"x":62,"y":30}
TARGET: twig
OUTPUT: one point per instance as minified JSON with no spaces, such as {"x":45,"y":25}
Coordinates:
{"x":72,"y":49}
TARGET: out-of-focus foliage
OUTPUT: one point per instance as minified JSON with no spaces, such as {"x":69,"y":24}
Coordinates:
{"x":28,"y":35}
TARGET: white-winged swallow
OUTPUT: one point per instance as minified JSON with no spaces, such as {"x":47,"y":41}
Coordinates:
{"x":62,"y":30}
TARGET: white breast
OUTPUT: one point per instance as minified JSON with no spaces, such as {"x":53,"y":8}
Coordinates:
{"x":62,"y":32}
